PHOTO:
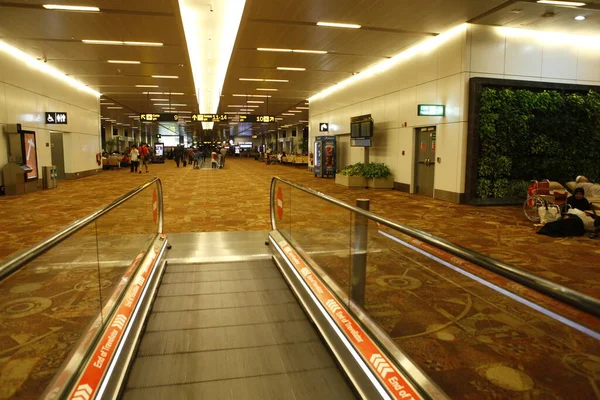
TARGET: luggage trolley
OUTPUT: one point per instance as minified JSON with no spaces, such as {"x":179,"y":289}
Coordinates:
{"x":540,"y":195}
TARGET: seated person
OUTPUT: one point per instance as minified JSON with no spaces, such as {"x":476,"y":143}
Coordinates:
{"x":590,"y":189}
{"x":578,"y":200}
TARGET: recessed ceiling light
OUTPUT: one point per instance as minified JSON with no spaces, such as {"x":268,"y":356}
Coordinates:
{"x":184,"y":112}
{"x":252,"y":79}
{"x":153,"y":86}
{"x":70,"y":8}
{"x":516,"y":11}
{"x":153,"y":44}
{"x":278,"y":119}
{"x":159,"y":99}
{"x":243,"y":109}
{"x":134,"y":117}
{"x":579,"y":18}
{"x":114,"y":108}
{"x":255,"y":101}
{"x":278,"y":50}
{"x":110,"y":42}
{"x":107,"y":104}
{"x":123,"y":62}
{"x":562,"y":3}
{"x":236,"y":106}
{"x":302,"y":108}
{"x":291,"y":69}
{"x":310,"y":51}
{"x":294,"y":111}
{"x":165,"y":76}
{"x":174,"y":94}
{"x":106,"y":118}
{"x":287,"y":114}
{"x":251,"y":95}
{"x":267,"y":89}
{"x":120,"y":43}
{"x":338,"y":25}
{"x":277,"y":80}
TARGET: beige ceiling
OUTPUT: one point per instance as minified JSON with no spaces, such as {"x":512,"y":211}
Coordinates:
{"x":388,"y":27}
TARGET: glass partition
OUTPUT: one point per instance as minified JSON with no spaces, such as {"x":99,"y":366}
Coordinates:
{"x":475,"y":334}
{"x":62,"y":294}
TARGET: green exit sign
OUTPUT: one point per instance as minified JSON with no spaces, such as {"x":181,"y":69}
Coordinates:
{"x":431,"y":110}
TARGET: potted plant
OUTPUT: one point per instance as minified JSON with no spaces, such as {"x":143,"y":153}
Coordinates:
{"x":379,"y":176}
{"x":352,"y":176}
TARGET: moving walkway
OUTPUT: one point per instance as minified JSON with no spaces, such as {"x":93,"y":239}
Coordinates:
{"x":333,"y":302}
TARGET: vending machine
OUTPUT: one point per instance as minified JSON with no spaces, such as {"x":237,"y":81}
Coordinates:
{"x":325,"y":153}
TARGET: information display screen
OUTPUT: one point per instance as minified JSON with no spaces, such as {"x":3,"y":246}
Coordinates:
{"x":159,"y":149}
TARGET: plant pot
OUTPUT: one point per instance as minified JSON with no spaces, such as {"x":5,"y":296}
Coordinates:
{"x":357,"y":182}
{"x":381,"y":183}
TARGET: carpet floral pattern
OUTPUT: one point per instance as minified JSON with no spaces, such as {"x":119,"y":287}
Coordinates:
{"x":475,"y":343}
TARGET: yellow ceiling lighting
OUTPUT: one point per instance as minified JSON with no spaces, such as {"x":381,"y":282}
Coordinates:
{"x":425,"y":46}
{"x":291,"y":69}
{"x":210,"y":32}
{"x":310,"y":51}
{"x":562,"y":3}
{"x":267,"y":89}
{"x":275,"y":50}
{"x":165,"y":76}
{"x":263,"y":80}
{"x":120,"y":43}
{"x":70,"y":8}
{"x":338,"y":25}
{"x":236,"y":106}
{"x":43,"y":67}
{"x":152,"y":86}
{"x":159,"y":99}
{"x":123,"y":62}
{"x":288,"y":114}
{"x":302,"y":108}
{"x":252,"y":79}
{"x":294,"y":111}
{"x":114,"y":108}
{"x":292,"y":50}
{"x":255,"y":101}
{"x":251,"y":95}
{"x":107,"y":104}
{"x":277,"y":80}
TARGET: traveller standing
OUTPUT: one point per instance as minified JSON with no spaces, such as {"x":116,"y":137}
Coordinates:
{"x":144,"y":156}
{"x":213,"y":159}
{"x":223,"y":152}
{"x":178,"y":154}
{"x":134,"y":156}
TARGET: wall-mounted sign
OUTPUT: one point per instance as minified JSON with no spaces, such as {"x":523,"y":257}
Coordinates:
{"x":431,"y":110}
{"x":323,"y":127}
{"x":163,"y":117}
{"x":56,"y":118}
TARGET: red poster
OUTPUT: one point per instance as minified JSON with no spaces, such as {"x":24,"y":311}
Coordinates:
{"x":423,"y":146}
{"x":433,"y":145}
{"x":30,"y":156}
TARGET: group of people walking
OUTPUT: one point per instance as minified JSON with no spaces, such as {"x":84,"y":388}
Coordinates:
{"x":197,"y":157}
{"x":137,"y":156}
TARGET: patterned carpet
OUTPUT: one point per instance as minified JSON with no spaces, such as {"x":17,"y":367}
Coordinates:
{"x":474,"y":343}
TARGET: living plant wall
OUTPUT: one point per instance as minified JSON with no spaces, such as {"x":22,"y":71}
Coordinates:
{"x":526,"y":135}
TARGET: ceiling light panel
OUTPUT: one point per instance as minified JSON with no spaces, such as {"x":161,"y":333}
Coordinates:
{"x":255,"y":101}
{"x":210,"y":34}
{"x":562,"y":3}
{"x":165,"y":76}
{"x":70,"y":8}
{"x":291,"y":69}
{"x":159,"y":99}
{"x":123,"y":62}
{"x":252,"y":79}
{"x":338,"y":25}
{"x":147,"y":86}
{"x":277,"y":80}
{"x":267,"y":89}
{"x":275,"y":50}
{"x":114,"y":108}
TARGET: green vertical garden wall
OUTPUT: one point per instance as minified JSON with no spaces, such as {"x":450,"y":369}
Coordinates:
{"x":525,"y":135}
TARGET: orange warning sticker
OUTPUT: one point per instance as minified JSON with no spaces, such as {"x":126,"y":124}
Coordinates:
{"x":380,"y":363}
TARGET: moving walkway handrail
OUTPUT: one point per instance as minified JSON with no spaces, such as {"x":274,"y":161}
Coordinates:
{"x":572,"y":297}
{"x":12,"y":264}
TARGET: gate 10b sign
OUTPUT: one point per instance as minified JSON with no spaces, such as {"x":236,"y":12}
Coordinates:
{"x":56,"y":118}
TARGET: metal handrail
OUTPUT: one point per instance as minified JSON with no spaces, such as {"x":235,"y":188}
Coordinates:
{"x":574,"y":298}
{"x":12,"y":264}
